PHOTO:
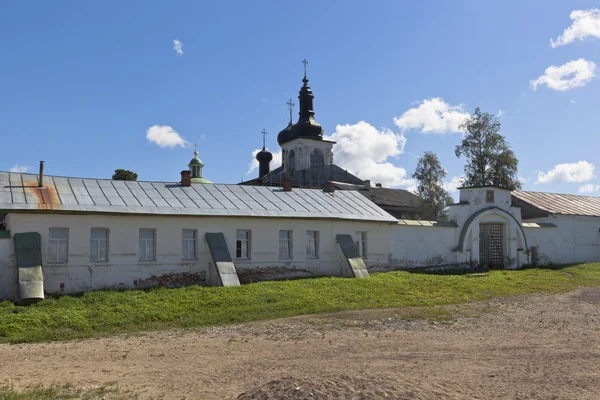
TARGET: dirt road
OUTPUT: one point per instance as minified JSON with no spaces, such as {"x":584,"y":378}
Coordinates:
{"x":530,"y":347}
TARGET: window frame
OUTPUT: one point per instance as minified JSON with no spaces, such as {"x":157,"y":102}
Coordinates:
{"x":360,"y":239}
{"x":195,"y":244}
{"x":316,"y":240}
{"x":153,"y":244}
{"x":92,"y":259}
{"x":248,"y":241}
{"x":57,"y":259}
{"x":290,"y":244}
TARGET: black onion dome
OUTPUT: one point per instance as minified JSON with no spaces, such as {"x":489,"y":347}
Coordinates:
{"x":285,"y":135}
{"x":306,"y":127}
{"x":264,"y":155}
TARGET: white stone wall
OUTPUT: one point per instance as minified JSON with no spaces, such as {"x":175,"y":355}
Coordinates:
{"x":418,"y":246}
{"x":575,"y":239}
{"x":125,"y":270}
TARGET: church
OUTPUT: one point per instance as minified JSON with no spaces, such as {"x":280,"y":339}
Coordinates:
{"x":307,"y":162}
{"x":307,"y":218}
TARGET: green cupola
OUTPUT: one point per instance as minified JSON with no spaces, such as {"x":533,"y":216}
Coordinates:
{"x":196,"y":170}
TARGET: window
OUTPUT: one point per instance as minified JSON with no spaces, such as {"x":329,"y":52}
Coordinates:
{"x":312,"y":244}
{"x":99,"y":244}
{"x":489,"y":196}
{"x":361,"y":243}
{"x":58,"y":245}
{"x":147,"y":245}
{"x":242,"y":244}
{"x":188,"y":244}
{"x":292,"y":161}
{"x":285,"y":244}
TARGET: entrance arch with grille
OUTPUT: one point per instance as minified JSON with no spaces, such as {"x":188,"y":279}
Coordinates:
{"x":491,"y":245}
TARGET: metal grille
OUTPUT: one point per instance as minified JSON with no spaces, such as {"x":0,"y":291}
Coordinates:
{"x":491,"y":245}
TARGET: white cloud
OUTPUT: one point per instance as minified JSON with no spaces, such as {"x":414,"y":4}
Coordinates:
{"x":178,"y":47}
{"x":165,"y":136}
{"x":501,"y":113}
{"x":19,"y":168}
{"x":586,"y":23}
{"x":589,"y":188}
{"x":276,"y":163}
{"x":364,"y":151}
{"x":576,"y":73}
{"x":453,"y":185}
{"x":432,"y":116}
{"x":581,"y":171}
{"x":573,"y":102}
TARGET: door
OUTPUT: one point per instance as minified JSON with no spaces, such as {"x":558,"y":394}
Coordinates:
{"x":491,"y":245}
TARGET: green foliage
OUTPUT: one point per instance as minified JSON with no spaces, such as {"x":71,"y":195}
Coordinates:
{"x":102,"y":313}
{"x":124,"y":175}
{"x":429,"y":173}
{"x":490,"y":160}
{"x":64,"y":392}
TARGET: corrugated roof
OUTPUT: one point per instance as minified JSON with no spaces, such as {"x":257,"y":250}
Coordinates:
{"x":538,"y":225}
{"x":19,"y":192}
{"x":431,"y":224}
{"x":566,"y":204}
{"x":385,"y":196}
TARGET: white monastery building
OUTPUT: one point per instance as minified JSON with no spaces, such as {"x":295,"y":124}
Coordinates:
{"x":307,"y":218}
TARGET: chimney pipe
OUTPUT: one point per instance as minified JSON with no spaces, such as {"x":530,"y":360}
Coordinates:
{"x":287,"y":185}
{"x":186,"y":178}
{"x":378,"y":185}
{"x":367,"y":184}
{"x":41,"y":177}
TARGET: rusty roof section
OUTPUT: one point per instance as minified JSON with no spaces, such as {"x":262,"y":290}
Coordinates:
{"x":20,"y":193}
{"x":565,"y":204}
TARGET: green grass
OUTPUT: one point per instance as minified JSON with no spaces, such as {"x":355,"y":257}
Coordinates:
{"x":104,"y":313}
{"x":66,"y":392}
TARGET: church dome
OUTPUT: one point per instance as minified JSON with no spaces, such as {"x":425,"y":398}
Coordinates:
{"x":195,"y":160}
{"x":306,"y":127}
{"x":285,"y":135}
{"x":264,"y":155}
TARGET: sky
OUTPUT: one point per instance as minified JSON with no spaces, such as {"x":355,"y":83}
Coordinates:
{"x":90,"y":87}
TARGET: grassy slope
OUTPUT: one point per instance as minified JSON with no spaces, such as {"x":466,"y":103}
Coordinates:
{"x":106,"y":312}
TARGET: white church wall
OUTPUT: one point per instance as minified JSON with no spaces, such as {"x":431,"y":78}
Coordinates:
{"x":302,"y":150}
{"x":125,"y":270}
{"x":575,"y":239}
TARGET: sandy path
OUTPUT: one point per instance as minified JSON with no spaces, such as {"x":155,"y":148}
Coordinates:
{"x":531,"y":347}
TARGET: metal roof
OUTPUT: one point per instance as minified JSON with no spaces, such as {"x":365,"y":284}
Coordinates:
{"x":566,"y":204}
{"x":538,"y":225}
{"x":430,"y":224}
{"x":19,"y":192}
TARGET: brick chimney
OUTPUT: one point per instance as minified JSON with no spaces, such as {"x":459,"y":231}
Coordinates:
{"x":287,"y":185}
{"x":329,"y":187}
{"x":378,"y":185}
{"x":186,"y":178}
{"x":367,"y":184}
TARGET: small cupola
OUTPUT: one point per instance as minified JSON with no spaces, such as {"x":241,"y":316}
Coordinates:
{"x":264,"y":158}
{"x":196,"y":169}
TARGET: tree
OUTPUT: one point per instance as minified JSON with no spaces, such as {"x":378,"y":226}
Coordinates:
{"x":430,"y":173}
{"x":124,"y":175}
{"x":490,"y":161}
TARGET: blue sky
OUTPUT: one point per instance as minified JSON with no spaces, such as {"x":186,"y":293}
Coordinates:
{"x":82,"y":83}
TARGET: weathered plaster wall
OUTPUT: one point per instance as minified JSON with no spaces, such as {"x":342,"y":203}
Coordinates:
{"x":575,"y":239}
{"x":124,"y":270}
{"x":418,"y":246}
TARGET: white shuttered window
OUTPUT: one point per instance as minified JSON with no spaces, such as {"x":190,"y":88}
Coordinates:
{"x":188,"y":244}
{"x":99,"y":244}
{"x":312,"y":244}
{"x":285,"y":244}
{"x":242,"y":244}
{"x":147,"y":245}
{"x":58,"y":245}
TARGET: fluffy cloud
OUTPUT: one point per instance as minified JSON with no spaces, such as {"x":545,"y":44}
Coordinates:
{"x":276,"y":163}
{"x":364,"y":151}
{"x":453,"y":185}
{"x":433,"y":116}
{"x":574,"y":74}
{"x":165,"y":136}
{"x":178,"y":47}
{"x":19,"y":168}
{"x":589,"y":188}
{"x":586,"y":23}
{"x":578,"y":172}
